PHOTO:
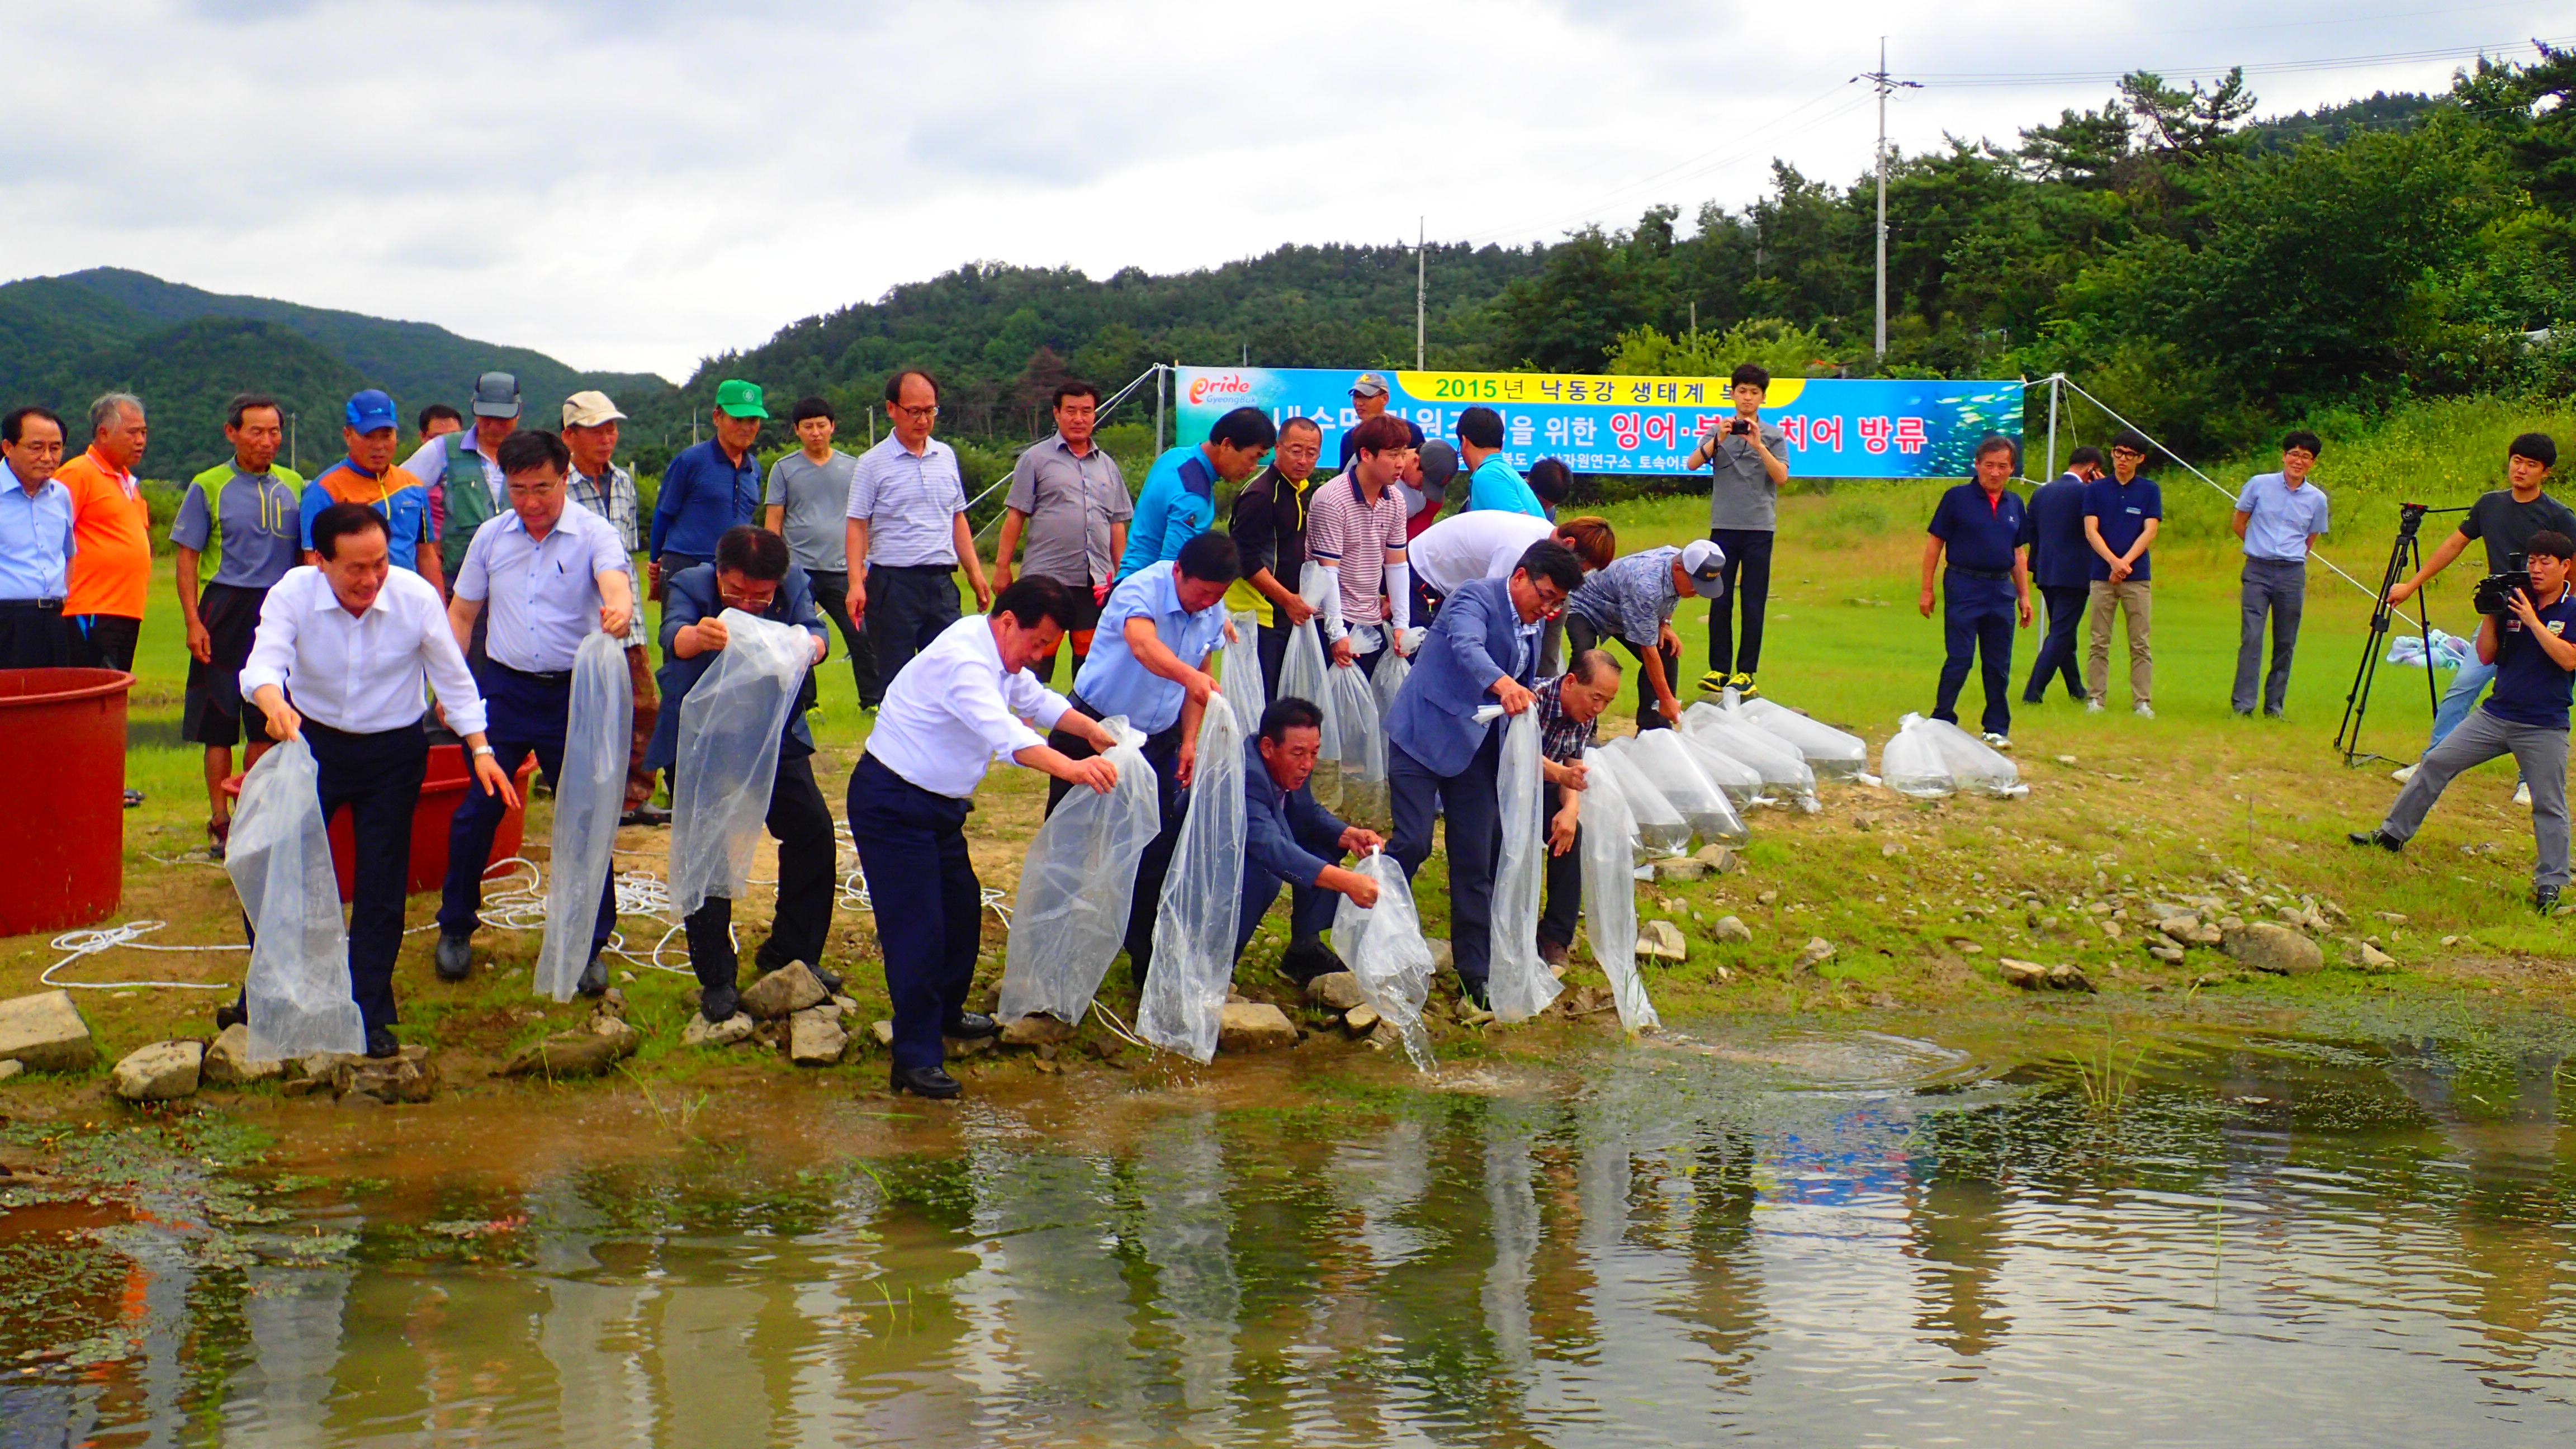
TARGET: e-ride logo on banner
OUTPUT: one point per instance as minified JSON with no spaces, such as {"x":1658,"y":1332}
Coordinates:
{"x":1226,"y":388}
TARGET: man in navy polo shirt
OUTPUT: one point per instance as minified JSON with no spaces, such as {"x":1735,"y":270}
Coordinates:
{"x":2525,"y":716}
{"x":1986,"y":592}
{"x":2121,"y":515}
{"x":2061,"y":568}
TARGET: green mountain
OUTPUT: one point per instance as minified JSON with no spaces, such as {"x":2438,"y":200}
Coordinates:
{"x":185,"y":351}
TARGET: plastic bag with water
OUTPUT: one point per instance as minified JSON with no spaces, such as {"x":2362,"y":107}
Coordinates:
{"x":1184,"y":998}
{"x":1392,"y":671}
{"x":1669,"y":766}
{"x":1077,"y":885}
{"x":1739,"y":782}
{"x":728,"y":758}
{"x":1302,"y":676}
{"x":1974,"y":765}
{"x":1660,"y":829}
{"x":1781,"y":766}
{"x":279,"y":857}
{"x":1384,"y":948}
{"x":1517,"y":981}
{"x":1240,"y":674}
{"x":1831,"y":753}
{"x":1610,"y":892}
{"x":1363,"y":742}
{"x":1912,"y":764}
{"x":590,"y":796}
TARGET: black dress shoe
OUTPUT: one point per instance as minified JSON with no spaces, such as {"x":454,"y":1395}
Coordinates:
{"x":647,"y":813}
{"x":719,"y":1003}
{"x":968,"y":1025}
{"x":1303,"y":962}
{"x":235,"y":1012}
{"x":455,"y":959}
{"x":924,"y":1082}
{"x":594,"y":978}
{"x":381,"y":1043}
{"x":831,"y":979}
{"x":2544,"y":898}
{"x":2380,"y":838}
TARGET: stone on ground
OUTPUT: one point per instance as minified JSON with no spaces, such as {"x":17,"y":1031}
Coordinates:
{"x":575,"y":1053}
{"x":1335,"y":991}
{"x":2181,"y":928}
{"x":12,"y":1069}
{"x":735,"y":1028}
{"x":2028,"y":975}
{"x":1817,"y":953}
{"x":814,"y":1036}
{"x":161,"y":1072}
{"x":1687,"y":868}
{"x":883,"y":1031}
{"x":1035,"y":1029}
{"x":409,"y":1077}
{"x":1661,"y":941}
{"x":1254,"y":1026}
{"x":2374,"y":959}
{"x":229,"y":1062}
{"x":1732,"y":928}
{"x":783,"y":992}
{"x":2266,"y":946}
{"x":46,"y":1033}
{"x":1442,"y":958}
{"x":2067,"y":978}
{"x":1721,"y":858}
{"x":1360,"y":1020}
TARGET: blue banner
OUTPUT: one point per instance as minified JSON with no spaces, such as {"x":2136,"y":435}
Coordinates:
{"x":1837,"y":428}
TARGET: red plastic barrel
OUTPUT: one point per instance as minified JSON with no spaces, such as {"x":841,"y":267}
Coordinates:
{"x":62,"y":837}
{"x":441,"y":791}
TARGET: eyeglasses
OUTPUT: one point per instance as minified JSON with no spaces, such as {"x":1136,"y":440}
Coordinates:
{"x":921,"y":414}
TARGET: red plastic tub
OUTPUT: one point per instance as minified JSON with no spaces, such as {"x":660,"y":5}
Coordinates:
{"x":441,"y":791}
{"x":62,"y":837}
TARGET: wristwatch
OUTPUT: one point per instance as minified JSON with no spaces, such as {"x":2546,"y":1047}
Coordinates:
{"x":483,"y":749}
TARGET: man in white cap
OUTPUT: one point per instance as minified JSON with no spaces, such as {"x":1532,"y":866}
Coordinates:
{"x":1632,"y":601}
{"x":590,"y":433}
{"x":450,"y":462}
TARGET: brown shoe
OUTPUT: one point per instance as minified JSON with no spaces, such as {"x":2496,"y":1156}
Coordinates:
{"x":219,"y":836}
{"x":1551,"y":952}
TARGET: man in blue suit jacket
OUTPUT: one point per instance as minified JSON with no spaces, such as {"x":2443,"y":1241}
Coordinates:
{"x":1289,"y":839}
{"x":752,"y":573}
{"x":1482,"y":649}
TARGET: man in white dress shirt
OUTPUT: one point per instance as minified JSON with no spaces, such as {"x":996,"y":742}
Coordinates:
{"x":551,"y":571}
{"x":961,"y":704}
{"x":342,"y":651}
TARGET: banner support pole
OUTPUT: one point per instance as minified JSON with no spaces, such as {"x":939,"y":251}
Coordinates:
{"x":2054,"y":379}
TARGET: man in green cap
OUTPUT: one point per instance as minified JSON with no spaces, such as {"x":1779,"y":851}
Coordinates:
{"x":709,"y":487}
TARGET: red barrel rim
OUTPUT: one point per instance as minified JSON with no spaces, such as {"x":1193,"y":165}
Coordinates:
{"x":101,"y":683}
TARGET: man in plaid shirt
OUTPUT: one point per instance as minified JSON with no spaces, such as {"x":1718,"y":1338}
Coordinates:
{"x":1568,"y":708}
{"x":598,"y":484}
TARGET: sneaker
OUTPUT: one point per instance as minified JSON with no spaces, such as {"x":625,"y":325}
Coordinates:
{"x":2092,"y":706}
{"x":1743,"y":685}
{"x":1995,"y":741}
{"x":133,"y":798}
{"x":2403,"y":775}
{"x":2144,"y":712}
{"x":2544,"y":898}
{"x":1713,"y":681}
{"x":2380,"y":838}
{"x":2522,"y":794}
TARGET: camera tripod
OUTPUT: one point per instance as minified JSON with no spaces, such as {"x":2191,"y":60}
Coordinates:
{"x":2404,"y":558}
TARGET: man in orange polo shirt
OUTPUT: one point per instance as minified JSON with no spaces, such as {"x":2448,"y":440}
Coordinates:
{"x":113,"y":569}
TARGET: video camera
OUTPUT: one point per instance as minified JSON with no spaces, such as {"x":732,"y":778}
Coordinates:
{"x":2495,"y":591}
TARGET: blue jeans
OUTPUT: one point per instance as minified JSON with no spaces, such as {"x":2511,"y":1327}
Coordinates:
{"x":2461,"y":697}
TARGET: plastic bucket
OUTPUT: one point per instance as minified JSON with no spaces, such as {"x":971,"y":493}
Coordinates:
{"x":442,"y":789}
{"x":63,"y":733}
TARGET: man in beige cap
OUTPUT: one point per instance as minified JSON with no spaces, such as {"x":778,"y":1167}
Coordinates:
{"x":598,"y":484}
{"x":1368,"y":399}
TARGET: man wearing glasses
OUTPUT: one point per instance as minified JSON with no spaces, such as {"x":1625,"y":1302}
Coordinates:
{"x":1068,"y":495}
{"x":2121,"y":515}
{"x":908,"y":523}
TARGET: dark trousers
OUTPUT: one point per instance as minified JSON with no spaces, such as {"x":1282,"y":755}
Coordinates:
{"x":1581,"y":634}
{"x":1163,"y":752}
{"x":808,"y":877}
{"x":378,"y":777}
{"x":2066,"y":606}
{"x":929,"y":907}
{"x":907,"y":607}
{"x":38,"y":637}
{"x":1748,"y":582}
{"x":1274,"y":657}
{"x":1977,"y":627}
{"x":1310,"y":908}
{"x":1564,"y":878}
{"x":832,"y":596}
{"x":2278,"y":587}
{"x":527,"y":715}
{"x":1475,"y":842}
{"x":111,"y":639}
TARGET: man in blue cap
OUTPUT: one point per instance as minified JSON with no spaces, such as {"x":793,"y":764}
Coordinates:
{"x":369,"y":429}
{"x":453,"y":465}
{"x":708,"y":488}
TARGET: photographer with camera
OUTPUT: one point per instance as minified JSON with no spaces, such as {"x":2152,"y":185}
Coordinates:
{"x":1747,"y":461}
{"x":2507,"y":519}
{"x":2525,"y":648}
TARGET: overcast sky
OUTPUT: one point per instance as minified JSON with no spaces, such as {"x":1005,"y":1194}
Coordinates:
{"x":635,"y":184}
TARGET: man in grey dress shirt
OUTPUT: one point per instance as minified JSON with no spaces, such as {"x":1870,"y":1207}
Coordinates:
{"x":907,"y":528}
{"x":808,"y":504}
{"x":1070,"y":498}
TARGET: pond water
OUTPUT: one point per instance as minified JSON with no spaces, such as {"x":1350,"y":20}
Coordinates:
{"x":1943,"y":1231}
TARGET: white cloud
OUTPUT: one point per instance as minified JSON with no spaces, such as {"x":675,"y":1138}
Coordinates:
{"x":639,"y":183}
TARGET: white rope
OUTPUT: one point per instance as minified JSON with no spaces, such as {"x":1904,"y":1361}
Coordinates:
{"x":1118,"y":1028}
{"x":109,"y":938}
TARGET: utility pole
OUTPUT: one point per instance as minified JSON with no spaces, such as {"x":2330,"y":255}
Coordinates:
{"x":1421,"y":285}
{"x":1879,"y":78}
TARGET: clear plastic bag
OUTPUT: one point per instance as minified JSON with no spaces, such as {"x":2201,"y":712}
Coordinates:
{"x":1669,"y":766}
{"x":1184,"y":997}
{"x":1302,"y":676}
{"x":1739,"y":782}
{"x":1831,"y":753}
{"x":1912,"y":764}
{"x":1077,"y":885}
{"x":590,"y":796}
{"x":1783,"y":769}
{"x":1384,"y":948}
{"x":1241,"y":672}
{"x":1392,"y":671}
{"x":728,"y":757}
{"x":1610,"y":892}
{"x":1974,"y":765}
{"x":1517,"y":981}
{"x":1363,"y":742}
{"x":279,"y":857}
{"x":1661,"y":831}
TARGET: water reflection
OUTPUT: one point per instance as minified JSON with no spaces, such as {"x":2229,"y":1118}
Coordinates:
{"x":2259,"y":1238}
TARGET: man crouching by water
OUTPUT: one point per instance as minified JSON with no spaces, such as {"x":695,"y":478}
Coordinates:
{"x":2525,"y":716}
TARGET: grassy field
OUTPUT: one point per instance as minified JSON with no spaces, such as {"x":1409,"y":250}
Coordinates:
{"x":2123,"y":812}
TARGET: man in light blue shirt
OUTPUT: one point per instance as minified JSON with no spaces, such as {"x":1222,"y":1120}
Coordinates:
{"x":36,"y":544}
{"x":906,"y":533}
{"x":1178,"y":501}
{"x":1148,"y":662}
{"x":1491,"y":483}
{"x":2280,"y":516}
